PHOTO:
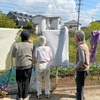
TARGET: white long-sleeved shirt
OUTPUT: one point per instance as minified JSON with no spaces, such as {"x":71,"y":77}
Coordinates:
{"x":43,"y":53}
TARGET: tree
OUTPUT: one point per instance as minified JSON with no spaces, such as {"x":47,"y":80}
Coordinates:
{"x":30,"y":25}
{"x":6,"y":22}
{"x":94,"y":26}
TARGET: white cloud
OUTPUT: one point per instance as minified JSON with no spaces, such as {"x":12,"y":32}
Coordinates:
{"x":98,"y":6}
{"x":63,"y":8}
{"x":87,"y":16}
{"x":66,"y":9}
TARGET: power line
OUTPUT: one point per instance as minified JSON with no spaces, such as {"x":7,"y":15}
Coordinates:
{"x":26,"y":5}
{"x":45,"y":12}
{"x":86,"y":13}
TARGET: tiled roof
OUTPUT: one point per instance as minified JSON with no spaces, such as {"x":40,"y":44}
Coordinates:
{"x":48,"y":17}
{"x":21,"y":14}
{"x":72,"y":22}
{"x":15,"y":13}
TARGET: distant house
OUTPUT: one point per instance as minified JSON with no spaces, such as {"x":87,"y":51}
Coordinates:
{"x":97,"y":21}
{"x":72,"y":25}
{"x":44,"y":23}
{"x":41,"y":22}
{"x":21,"y":19}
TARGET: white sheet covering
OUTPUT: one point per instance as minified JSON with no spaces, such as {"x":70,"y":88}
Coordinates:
{"x":58,"y":41}
{"x":7,"y":39}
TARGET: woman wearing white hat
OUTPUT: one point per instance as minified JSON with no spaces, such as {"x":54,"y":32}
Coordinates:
{"x":43,"y":56}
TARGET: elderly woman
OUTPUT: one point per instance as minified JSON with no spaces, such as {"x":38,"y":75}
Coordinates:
{"x":43,"y":56}
{"x":82,"y":63}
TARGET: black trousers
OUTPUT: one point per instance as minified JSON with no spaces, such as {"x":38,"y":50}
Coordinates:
{"x":23,"y":82}
{"x":80,"y":81}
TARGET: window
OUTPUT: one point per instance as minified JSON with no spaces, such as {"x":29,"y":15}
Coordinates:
{"x":50,"y":21}
{"x":19,"y":18}
{"x":27,"y":20}
{"x":70,"y":26}
{"x":21,"y":13}
{"x":59,"y":22}
{"x":23,"y":19}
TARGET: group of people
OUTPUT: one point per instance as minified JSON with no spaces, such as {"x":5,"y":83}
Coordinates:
{"x":28,"y":56}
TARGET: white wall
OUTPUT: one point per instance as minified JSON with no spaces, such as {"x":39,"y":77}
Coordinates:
{"x":41,"y":23}
{"x":74,"y":26}
{"x":44,"y":23}
{"x":59,"y":25}
{"x":36,"y":29}
{"x":79,"y":27}
{"x":38,"y":20}
{"x":48,"y":24}
{"x":54,"y":23}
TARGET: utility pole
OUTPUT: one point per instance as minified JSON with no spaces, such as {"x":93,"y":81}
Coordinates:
{"x":92,"y":19}
{"x":79,"y":4}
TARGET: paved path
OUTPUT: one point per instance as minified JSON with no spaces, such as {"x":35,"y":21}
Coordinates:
{"x":90,"y":94}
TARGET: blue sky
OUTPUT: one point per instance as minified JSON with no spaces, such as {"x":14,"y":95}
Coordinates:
{"x":66,"y":9}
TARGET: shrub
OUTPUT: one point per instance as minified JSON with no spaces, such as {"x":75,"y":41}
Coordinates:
{"x":3,"y":90}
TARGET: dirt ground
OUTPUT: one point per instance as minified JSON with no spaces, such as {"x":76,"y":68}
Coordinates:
{"x":64,"y":93}
{"x":90,"y":94}
{"x":69,"y":81}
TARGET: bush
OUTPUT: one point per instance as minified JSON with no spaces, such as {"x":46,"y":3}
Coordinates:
{"x":30,"y":25}
{"x":71,"y":33}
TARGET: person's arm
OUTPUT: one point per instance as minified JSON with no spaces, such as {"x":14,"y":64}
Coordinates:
{"x":81,"y":58}
{"x":14,"y":51}
{"x":50,"y":53}
{"x":33,"y":57}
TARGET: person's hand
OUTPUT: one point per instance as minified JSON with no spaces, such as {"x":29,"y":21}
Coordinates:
{"x":30,"y":41}
{"x":72,"y":71}
{"x":33,"y":63}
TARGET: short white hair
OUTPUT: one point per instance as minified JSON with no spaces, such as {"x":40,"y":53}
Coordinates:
{"x":81,"y":35}
{"x":41,"y":41}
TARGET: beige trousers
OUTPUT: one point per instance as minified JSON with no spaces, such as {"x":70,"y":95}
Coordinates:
{"x":42,"y":70}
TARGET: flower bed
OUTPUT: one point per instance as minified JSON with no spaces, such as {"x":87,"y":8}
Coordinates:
{"x":3,"y":91}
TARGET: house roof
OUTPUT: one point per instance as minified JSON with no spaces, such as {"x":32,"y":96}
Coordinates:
{"x":72,"y":22}
{"x":97,"y":21}
{"x":17,"y":14}
{"x":48,"y":17}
